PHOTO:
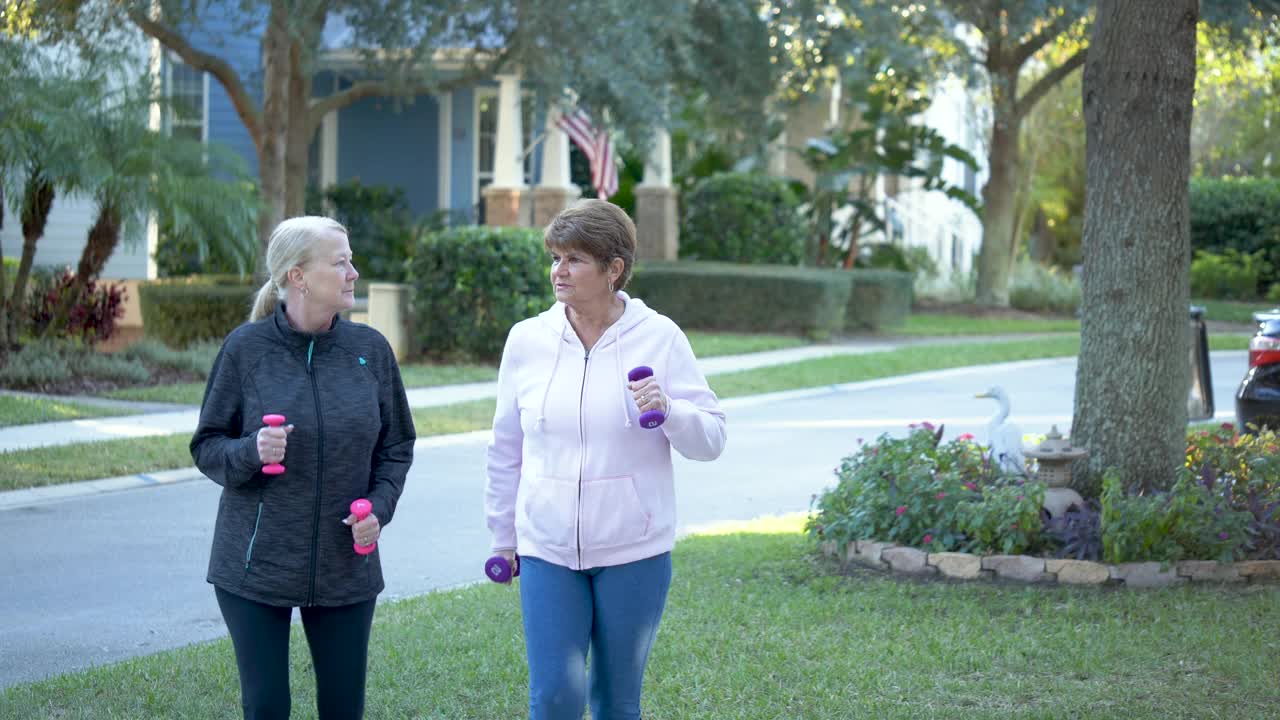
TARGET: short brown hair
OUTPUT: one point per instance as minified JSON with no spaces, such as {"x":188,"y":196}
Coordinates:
{"x":600,"y":229}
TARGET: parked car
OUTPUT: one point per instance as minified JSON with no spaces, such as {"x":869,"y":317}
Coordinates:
{"x":1258,"y":399}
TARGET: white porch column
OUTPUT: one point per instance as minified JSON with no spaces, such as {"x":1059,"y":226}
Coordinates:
{"x":502,"y":198}
{"x":657,"y":229}
{"x":556,"y":191}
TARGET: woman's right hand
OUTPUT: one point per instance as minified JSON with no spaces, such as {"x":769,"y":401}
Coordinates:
{"x":272,"y":443}
{"x":510,"y":556}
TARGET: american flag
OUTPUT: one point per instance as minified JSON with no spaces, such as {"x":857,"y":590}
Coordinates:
{"x":596,"y":146}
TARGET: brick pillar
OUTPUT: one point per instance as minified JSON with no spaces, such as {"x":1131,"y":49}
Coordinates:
{"x":657,"y":226}
{"x":548,"y":201}
{"x":502,"y":206}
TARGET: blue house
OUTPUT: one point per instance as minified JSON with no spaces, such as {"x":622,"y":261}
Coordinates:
{"x":481,"y":153}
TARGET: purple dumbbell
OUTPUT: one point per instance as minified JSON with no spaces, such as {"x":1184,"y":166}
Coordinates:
{"x":499,"y":570}
{"x":649,"y":419}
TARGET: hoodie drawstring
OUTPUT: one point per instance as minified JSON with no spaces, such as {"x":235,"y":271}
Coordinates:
{"x":542,"y":411}
{"x":617,"y":342}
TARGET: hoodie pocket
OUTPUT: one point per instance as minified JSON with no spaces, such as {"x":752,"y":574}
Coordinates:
{"x":551,"y":509}
{"x":612,"y":513}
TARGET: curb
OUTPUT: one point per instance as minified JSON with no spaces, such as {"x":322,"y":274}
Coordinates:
{"x":1028,"y":569}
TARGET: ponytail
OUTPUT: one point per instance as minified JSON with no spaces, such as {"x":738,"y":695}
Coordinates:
{"x":264,"y":303}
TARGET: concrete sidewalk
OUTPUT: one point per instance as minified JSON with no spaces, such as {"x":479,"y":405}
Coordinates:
{"x":180,"y":419}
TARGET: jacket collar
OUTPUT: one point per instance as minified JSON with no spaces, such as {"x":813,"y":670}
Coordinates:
{"x":298,"y":340}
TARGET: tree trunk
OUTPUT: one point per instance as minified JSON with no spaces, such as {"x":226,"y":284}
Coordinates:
{"x":275,"y":123}
{"x":999,"y":208}
{"x":37,"y":203}
{"x":299,"y":141}
{"x":1134,"y":371}
{"x":302,"y":126}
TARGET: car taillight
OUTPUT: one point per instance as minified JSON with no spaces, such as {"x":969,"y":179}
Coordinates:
{"x":1264,"y":350}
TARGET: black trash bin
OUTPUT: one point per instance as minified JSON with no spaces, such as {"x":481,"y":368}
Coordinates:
{"x":1200,"y":398}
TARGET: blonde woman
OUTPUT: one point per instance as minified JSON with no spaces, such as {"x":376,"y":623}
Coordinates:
{"x":284,"y":541}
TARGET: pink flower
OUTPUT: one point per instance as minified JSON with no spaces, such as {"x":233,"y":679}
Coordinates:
{"x":927,"y":425}
{"x":1228,"y":426}
{"x":1014,"y":526}
{"x":1223,"y":536}
{"x":926,"y":539}
{"x":901,"y":510}
{"x":965,"y":437}
{"x":1019,"y":497}
{"x":939,"y":496}
{"x":971,"y":486}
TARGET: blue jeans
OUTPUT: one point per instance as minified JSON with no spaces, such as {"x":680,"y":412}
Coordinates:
{"x":612,"y":611}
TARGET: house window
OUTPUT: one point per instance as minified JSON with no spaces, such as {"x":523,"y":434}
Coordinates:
{"x":187,"y":89}
{"x":487,"y":135}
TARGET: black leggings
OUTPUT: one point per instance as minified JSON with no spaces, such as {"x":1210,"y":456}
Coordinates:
{"x":339,"y":640}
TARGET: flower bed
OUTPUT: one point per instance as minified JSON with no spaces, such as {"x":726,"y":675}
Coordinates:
{"x":921,"y":505}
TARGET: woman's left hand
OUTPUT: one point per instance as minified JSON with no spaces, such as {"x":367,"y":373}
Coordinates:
{"x":366,"y":531}
{"x":649,"y":395}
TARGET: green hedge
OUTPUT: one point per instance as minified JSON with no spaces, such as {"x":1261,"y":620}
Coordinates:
{"x":181,"y":311}
{"x":745,"y":298}
{"x":1241,"y":214}
{"x":878,"y":299}
{"x":471,"y":284}
{"x":743,"y":218}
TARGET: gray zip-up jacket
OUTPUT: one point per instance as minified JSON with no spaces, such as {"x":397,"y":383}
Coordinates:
{"x":280,"y":539}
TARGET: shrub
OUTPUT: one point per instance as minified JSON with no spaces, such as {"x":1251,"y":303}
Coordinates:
{"x":47,"y":365}
{"x":919,"y":491}
{"x":1244,"y":471}
{"x":1186,"y":522}
{"x":1241,"y":214}
{"x":742,"y":218}
{"x":197,"y":359}
{"x":92,"y":319}
{"x":878,"y":299}
{"x":179,"y":255}
{"x":40,"y":365}
{"x":382,"y":228}
{"x":471,"y":284}
{"x":1043,"y":288}
{"x":746,"y":298}
{"x":1077,"y":532}
{"x":182,"y":311}
{"x":1229,"y":275}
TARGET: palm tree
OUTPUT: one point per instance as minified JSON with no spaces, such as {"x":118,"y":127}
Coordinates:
{"x":131,"y":172}
{"x":41,"y":132}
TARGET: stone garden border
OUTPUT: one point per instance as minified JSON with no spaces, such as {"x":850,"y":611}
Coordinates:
{"x":1029,"y":569}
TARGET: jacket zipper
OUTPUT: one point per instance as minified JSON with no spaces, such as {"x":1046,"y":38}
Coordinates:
{"x":315,"y":517}
{"x":248,"y":554}
{"x":582,"y":452}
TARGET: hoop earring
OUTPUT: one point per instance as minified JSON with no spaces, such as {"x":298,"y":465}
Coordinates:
{"x":610,"y":287}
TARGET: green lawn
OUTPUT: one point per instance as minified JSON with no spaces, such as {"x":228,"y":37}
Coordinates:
{"x":92,"y":461}
{"x":178,"y":393}
{"x":709,"y":344}
{"x":16,"y":410}
{"x":759,"y":626}
{"x":945,"y":324}
{"x":1231,"y":310}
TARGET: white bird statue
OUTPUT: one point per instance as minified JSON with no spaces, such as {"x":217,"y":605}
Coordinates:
{"x":1004,"y":437}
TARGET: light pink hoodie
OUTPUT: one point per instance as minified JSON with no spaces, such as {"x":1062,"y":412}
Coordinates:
{"x":572,"y":477}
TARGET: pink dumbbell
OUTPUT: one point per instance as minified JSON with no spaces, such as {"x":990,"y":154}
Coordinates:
{"x":273,"y":421}
{"x":499,"y":570}
{"x":361,"y":509}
